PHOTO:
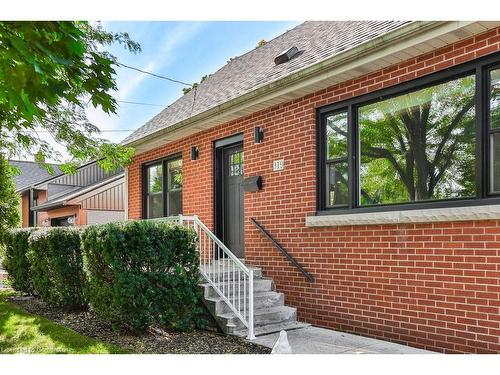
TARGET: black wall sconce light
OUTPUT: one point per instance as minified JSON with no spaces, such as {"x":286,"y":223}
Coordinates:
{"x":258,"y":134}
{"x":195,"y":153}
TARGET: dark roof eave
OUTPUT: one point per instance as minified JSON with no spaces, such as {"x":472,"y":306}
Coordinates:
{"x":49,"y":206}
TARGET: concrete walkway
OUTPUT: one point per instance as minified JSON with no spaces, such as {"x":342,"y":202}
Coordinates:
{"x":315,"y":340}
{"x":3,"y":277}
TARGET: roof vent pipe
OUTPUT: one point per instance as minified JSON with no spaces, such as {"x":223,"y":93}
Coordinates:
{"x":286,"y":55}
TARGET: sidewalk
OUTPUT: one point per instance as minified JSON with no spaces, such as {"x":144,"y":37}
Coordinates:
{"x":3,"y":276}
{"x":315,"y":340}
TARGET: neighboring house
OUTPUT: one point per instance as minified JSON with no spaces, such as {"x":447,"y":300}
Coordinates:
{"x":30,"y":174}
{"x":378,"y":148}
{"x":89,"y":196}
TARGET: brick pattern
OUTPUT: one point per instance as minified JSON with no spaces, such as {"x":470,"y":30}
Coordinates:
{"x":434,"y":286}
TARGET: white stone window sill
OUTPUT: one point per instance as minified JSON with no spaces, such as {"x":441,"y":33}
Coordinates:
{"x":484,"y":212}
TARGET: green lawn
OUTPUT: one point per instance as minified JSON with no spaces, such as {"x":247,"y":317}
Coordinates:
{"x":21,"y":332}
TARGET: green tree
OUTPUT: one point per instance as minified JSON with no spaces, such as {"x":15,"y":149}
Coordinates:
{"x":49,"y":73}
{"x":9,"y":200}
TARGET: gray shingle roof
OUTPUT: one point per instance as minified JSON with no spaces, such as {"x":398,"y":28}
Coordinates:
{"x":316,"y":41}
{"x":31,"y":173}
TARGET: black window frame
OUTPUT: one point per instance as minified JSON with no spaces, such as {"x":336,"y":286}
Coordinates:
{"x":144,"y":171}
{"x":480,"y":68}
{"x":489,"y":131}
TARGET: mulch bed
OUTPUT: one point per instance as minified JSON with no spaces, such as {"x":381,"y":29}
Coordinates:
{"x":155,"y":341}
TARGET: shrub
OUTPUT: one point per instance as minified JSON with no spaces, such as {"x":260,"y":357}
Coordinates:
{"x":142,"y":272}
{"x":15,"y":260}
{"x":56,"y":267}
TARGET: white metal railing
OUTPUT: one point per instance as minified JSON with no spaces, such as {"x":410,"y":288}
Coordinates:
{"x":228,"y":276}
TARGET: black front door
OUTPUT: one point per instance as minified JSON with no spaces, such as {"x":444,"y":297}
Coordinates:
{"x":230,"y":209}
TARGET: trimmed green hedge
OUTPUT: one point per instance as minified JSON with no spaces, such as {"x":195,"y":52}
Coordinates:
{"x":56,"y":267}
{"x":142,"y":272}
{"x":15,"y":260}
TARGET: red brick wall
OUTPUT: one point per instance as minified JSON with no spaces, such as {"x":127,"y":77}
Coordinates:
{"x":434,"y":286}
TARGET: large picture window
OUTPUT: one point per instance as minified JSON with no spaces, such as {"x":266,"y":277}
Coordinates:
{"x":163,"y":188}
{"x":419,"y":146}
{"x":417,"y":142}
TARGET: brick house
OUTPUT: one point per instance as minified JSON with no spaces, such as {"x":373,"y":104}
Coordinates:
{"x":377,"y":145}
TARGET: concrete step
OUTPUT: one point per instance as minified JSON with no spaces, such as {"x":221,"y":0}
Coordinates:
{"x":270,"y":313}
{"x":230,"y":287}
{"x":220,"y":272}
{"x":262,"y":317}
{"x":261,"y":300}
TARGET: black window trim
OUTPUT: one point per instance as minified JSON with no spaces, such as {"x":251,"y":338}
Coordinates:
{"x":480,"y":68}
{"x":144,"y":191}
{"x":488,"y":130}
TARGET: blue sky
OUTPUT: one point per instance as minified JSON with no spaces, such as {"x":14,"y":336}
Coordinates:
{"x":181,"y":50}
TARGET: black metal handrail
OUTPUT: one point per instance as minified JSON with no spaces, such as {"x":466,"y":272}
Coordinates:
{"x":284,"y":252}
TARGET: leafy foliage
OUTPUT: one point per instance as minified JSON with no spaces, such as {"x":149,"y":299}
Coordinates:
{"x":9,"y":199}
{"x":142,"y":272}
{"x":16,"y":261}
{"x":56,"y":266}
{"x":49,"y":73}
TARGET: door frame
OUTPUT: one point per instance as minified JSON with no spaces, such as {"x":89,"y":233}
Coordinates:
{"x":218,"y":148}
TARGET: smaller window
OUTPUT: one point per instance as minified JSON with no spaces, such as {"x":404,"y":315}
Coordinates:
{"x":163,"y":190}
{"x":154,"y":195}
{"x":174,"y":188}
{"x":337,"y":162}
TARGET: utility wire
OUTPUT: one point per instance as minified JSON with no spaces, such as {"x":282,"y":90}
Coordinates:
{"x":102,"y":131}
{"x":139,"y":103}
{"x":154,"y":74}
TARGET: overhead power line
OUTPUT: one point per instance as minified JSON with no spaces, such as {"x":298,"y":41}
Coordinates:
{"x":154,"y":74}
{"x":139,"y":103}
{"x":102,"y":131}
